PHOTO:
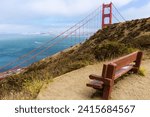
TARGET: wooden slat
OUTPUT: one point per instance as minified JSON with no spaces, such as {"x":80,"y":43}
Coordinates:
{"x":122,"y":71}
{"x":111,"y":69}
{"x":138,"y":62}
{"x":104,"y":71}
{"x":95,"y":84}
{"x":126,"y":60}
{"x":106,"y":81}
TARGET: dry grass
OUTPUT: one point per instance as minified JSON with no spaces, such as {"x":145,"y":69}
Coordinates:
{"x":142,"y":71}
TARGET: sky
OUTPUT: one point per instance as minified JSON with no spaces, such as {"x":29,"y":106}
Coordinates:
{"x":31,"y":16}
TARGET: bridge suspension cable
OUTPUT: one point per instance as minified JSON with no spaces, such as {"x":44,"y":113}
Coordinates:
{"x":43,"y":45}
{"x":116,"y":18}
{"x":52,"y":44}
{"x":119,"y":12}
{"x":74,"y":31}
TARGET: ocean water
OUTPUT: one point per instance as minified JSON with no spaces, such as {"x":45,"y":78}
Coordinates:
{"x":14,"y":45}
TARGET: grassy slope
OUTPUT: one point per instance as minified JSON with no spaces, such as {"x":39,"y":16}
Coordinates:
{"x":111,"y":42}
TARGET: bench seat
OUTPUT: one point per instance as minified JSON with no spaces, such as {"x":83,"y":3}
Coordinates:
{"x":123,"y":71}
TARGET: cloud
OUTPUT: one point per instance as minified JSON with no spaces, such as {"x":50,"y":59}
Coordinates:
{"x":15,"y":28}
{"x":35,"y":8}
{"x":63,"y":7}
{"x":36,"y":15}
{"x":21,"y":28}
{"x":70,"y":7}
{"x":140,"y":12}
{"x":118,"y":3}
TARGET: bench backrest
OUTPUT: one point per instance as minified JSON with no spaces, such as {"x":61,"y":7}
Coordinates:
{"x":109,"y":69}
{"x":126,"y":60}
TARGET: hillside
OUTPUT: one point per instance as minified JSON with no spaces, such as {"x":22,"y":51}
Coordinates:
{"x":113,"y":41}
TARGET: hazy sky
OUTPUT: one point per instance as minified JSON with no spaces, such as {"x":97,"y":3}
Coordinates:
{"x":19,"y":16}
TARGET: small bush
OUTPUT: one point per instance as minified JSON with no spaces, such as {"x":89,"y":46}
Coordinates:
{"x":111,"y":49}
{"x":142,"y":42}
{"x":33,"y":89}
{"x":77,"y":65}
{"x":142,"y":71}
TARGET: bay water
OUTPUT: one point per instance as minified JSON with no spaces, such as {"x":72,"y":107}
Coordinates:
{"x":13,"y":46}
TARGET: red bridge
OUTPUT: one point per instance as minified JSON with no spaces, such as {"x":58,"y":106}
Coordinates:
{"x":102,"y":16}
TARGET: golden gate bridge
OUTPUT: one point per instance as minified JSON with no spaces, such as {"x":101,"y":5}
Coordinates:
{"x":101,"y":17}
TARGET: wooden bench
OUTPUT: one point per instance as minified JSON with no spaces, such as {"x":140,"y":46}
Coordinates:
{"x":113,"y":70}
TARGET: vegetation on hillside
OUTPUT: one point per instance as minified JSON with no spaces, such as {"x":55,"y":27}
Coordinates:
{"x":113,"y":41}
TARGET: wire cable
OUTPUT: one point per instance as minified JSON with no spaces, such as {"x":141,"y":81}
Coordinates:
{"x":29,"y":53}
{"x":116,"y":18}
{"x":119,"y":12}
{"x":52,"y":44}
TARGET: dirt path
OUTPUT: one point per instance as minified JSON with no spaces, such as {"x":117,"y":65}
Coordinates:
{"x":72,"y":86}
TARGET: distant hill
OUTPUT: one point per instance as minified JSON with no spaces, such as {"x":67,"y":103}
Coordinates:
{"x":113,"y":41}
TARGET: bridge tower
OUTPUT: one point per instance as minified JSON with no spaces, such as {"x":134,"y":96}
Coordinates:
{"x":106,"y":16}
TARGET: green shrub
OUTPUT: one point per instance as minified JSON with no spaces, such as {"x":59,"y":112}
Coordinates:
{"x":142,"y":71}
{"x":76,"y":65}
{"x":142,"y":42}
{"x":111,"y":49}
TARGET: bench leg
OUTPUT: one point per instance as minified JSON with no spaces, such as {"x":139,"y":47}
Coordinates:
{"x":107,"y":92}
{"x":138,"y":62}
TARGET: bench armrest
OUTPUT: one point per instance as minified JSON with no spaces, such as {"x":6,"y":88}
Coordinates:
{"x":106,"y":81}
